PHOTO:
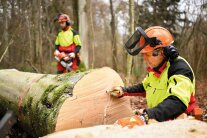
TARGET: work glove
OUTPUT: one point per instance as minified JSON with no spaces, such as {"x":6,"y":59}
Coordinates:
{"x":171,"y":52}
{"x":130,"y":122}
{"x":71,"y":55}
{"x":116,"y":91}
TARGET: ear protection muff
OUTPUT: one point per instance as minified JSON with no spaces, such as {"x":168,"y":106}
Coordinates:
{"x":171,"y":52}
{"x":68,"y":23}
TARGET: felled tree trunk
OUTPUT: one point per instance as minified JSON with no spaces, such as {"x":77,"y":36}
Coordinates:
{"x":183,"y":128}
{"x":48,"y":103}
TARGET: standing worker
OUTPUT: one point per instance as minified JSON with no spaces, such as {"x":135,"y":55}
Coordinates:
{"x":169,"y":87}
{"x":67,"y":46}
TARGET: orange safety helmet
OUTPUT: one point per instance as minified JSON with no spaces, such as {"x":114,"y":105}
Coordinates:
{"x":161,"y":34}
{"x":148,"y":40}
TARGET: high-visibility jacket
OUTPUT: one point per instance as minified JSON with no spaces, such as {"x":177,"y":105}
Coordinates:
{"x":159,"y":88}
{"x":169,"y":91}
{"x":67,"y":38}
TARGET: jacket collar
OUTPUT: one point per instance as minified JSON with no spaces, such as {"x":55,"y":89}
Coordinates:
{"x":66,"y":28}
{"x":159,"y":69}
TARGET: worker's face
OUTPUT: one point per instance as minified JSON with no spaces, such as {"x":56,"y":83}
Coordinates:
{"x":62,"y":24}
{"x":153,"y":61}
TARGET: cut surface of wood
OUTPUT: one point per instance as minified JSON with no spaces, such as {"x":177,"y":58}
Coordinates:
{"x":93,"y":106}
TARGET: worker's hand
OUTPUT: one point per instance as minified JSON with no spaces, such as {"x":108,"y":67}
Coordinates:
{"x":116,"y":91}
{"x":56,"y":53}
{"x":138,"y":111}
{"x":130,"y":122}
{"x":61,"y":55}
{"x":72,"y":55}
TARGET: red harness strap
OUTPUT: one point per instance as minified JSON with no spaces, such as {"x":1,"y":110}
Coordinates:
{"x":70,"y":48}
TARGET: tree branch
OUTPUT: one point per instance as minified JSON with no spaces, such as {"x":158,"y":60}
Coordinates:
{"x":33,"y":67}
{"x":7,"y":47}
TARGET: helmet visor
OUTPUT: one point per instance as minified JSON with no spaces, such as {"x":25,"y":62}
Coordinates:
{"x":138,"y":41}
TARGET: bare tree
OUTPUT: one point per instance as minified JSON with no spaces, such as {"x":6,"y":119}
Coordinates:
{"x":91,"y":34}
{"x":113,"y":39}
{"x":36,"y":23}
{"x":129,"y":57}
{"x":84,"y":29}
{"x":5,"y":18}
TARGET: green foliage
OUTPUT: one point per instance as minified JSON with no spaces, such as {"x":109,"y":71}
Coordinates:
{"x":160,"y":13}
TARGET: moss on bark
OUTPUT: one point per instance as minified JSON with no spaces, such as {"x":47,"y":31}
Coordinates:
{"x":41,"y":102}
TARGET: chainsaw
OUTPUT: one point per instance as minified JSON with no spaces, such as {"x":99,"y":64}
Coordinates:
{"x":130,"y":122}
{"x":64,"y":60}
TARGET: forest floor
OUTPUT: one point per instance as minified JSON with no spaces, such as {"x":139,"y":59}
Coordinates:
{"x":136,"y":103}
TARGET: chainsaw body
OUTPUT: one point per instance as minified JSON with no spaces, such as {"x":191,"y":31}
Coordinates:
{"x":64,"y":59}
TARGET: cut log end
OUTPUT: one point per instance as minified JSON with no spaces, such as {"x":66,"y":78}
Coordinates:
{"x":90,"y":104}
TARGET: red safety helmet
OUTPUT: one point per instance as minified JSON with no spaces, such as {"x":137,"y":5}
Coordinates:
{"x":63,"y":18}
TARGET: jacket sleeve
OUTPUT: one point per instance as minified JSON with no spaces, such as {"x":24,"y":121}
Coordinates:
{"x":77,"y":49}
{"x":135,"y":90}
{"x":57,"y":47}
{"x":170,"y":108}
{"x":57,"y":40}
{"x":76,"y":38}
{"x":77,"y":41}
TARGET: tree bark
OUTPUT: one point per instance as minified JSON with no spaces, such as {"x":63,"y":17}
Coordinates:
{"x":83,"y":28}
{"x":91,"y":34}
{"x":5,"y":18}
{"x":47,"y":103}
{"x":129,"y":57}
{"x":75,"y":14}
{"x":37,"y":29}
{"x":113,"y":39}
